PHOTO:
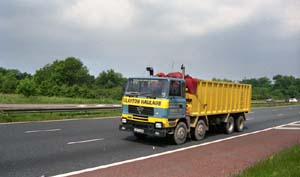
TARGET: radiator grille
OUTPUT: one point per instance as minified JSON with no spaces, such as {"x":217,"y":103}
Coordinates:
{"x":141,"y":110}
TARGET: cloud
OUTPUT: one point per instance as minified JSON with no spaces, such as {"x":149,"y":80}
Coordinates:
{"x":100,"y":14}
{"x":189,"y":17}
{"x":213,"y":38}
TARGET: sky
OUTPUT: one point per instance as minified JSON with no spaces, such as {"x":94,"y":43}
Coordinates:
{"x":230,"y":39}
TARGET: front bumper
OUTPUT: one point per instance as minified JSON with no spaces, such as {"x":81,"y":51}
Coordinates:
{"x":144,"y":128}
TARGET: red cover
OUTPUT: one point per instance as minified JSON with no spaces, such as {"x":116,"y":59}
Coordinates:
{"x":160,"y":74}
{"x":175,"y":75}
{"x":191,"y":83}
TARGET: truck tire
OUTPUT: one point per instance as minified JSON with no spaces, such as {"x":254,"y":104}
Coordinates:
{"x":198,"y":133}
{"x":239,"y":124}
{"x":229,"y":125}
{"x":140,"y":136}
{"x":180,"y":133}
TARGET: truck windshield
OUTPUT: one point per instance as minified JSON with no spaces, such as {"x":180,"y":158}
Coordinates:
{"x":147,"y":87}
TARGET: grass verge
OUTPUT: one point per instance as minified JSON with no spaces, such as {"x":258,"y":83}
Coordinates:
{"x":283,"y":164}
{"x":25,"y":117}
{"x":19,"y":99}
{"x":273,"y":105}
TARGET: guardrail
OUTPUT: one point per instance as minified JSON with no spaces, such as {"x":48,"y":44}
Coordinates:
{"x":27,"y":108}
{"x":271,"y":102}
{"x":62,"y":108}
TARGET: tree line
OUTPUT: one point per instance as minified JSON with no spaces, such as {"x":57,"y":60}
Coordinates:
{"x":279,"y":87}
{"x":70,"y":78}
{"x":65,"y":78}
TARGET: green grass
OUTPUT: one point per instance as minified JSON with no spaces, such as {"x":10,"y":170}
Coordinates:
{"x":273,"y":105}
{"x":283,"y":164}
{"x":24,"y":117}
{"x":19,"y":99}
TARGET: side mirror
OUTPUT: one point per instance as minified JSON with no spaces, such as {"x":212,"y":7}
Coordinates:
{"x":124,"y":88}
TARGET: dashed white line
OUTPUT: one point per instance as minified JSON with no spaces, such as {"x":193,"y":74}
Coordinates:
{"x":36,"y":131}
{"x":279,"y":115}
{"x":85,"y":141}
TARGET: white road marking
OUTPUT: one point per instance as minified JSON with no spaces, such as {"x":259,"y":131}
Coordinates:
{"x":287,"y":128}
{"x":250,"y":118}
{"x":82,"y":105}
{"x":36,"y":131}
{"x":251,"y":112}
{"x":279,"y":115}
{"x":85,"y":141}
{"x":164,"y":153}
{"x":295,"y":125}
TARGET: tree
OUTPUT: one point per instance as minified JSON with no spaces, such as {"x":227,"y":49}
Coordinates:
{"x":110,"y":79}
{"x":70,"y":71}
{"x":8,"y":83}
{"x":27,"y":87}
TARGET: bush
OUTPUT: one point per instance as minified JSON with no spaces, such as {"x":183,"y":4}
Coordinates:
{"x":27,"y":87}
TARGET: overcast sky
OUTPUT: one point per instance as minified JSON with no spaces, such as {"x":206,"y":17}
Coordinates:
{"x":230,"y":39}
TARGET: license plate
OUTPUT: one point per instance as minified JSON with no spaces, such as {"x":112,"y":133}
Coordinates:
{"x":138,"y":130}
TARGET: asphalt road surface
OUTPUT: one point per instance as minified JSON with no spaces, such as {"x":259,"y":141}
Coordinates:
{"x":51,"y":148}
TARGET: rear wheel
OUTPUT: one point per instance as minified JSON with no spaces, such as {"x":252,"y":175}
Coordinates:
{"x":180,"y":133}
{"x":239,"y":124}
{"x":229,"y":125}
{"x":198,"y":133}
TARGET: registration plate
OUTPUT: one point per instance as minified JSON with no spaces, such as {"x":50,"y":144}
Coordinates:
{"x":138,"y":130}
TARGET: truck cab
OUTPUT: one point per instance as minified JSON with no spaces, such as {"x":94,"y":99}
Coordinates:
{"x":153,"y":106}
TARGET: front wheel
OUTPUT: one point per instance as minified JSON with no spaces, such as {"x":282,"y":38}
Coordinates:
{"x":180,"y":133}
{"x":198,"y":133}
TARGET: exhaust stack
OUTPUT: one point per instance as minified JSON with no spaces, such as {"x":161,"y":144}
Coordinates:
{"x":183,"y":71}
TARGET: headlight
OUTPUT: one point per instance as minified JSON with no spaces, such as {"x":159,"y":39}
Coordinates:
{"x":158,"y":125}
{"x":124,"y":121}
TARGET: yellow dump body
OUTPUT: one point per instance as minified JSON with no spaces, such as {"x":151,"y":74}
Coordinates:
{"x":213,"y":97}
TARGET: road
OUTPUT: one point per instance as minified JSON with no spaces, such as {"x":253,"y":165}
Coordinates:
{"x":51,"y":148}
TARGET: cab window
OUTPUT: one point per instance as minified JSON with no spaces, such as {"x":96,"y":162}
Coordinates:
{"x":175,"y":88}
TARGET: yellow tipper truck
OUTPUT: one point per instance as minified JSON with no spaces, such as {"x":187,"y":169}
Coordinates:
{"x":176,"y":105}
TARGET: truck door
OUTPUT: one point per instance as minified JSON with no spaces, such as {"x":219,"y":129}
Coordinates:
{"x":177,"y":99}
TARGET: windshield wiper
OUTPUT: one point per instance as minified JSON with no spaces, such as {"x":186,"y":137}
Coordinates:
{"x":132,"y":93}
{"x":145,"y":94}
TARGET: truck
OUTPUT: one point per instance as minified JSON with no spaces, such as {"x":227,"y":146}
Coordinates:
{"x":180,"y":107}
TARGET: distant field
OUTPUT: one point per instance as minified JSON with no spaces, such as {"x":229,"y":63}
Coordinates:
{"x":19,"y":99}
{"x":285,"y":163}
{"x":15,"y":98}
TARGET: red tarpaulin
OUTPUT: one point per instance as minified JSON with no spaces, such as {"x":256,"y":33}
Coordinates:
{"x":191,"y":83}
